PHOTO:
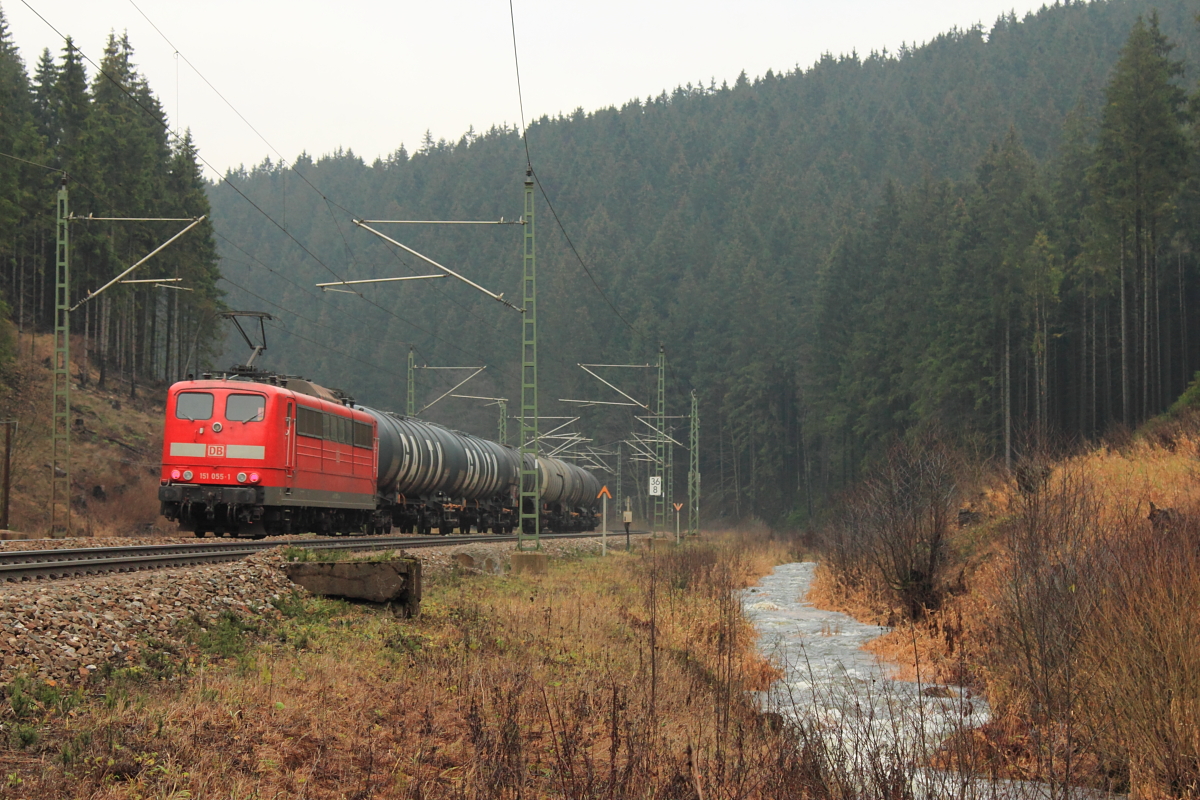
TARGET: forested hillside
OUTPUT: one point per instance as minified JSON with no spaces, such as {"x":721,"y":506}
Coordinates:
{"x":104,"y":132}
{"x":988,"y":233}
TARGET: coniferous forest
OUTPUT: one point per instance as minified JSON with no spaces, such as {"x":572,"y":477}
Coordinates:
{"x":107,"y":133}
{"x":992,"y":234}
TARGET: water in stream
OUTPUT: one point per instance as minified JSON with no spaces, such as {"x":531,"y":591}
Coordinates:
{"x":868,"y":722}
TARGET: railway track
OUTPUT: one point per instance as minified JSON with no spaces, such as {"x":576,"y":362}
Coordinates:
{"x":21,"y":565}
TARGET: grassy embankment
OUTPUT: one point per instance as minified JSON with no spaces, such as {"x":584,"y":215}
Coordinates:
{"x":618,"y":677}
{"x":1060,"y":595}
{"x":116,"y":445}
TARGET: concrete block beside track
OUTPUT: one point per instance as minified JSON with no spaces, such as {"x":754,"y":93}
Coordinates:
{"x":394,"y":581}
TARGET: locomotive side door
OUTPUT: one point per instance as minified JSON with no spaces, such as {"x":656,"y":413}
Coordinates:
{"x":289,"y":447}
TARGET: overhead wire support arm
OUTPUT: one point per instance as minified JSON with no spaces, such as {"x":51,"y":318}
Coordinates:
{"x":545,"y":435}
{"x":634,"y":445}
{"x":460,"y":383}
{"x":599,"y":403}
{"x":664,"y":433}
{"x":500,"y":221}
{"x":325,"y":286}
{"x":195,"y":221}
{"x":614,"y":388}
{"x":497,"y":297}
{"x":502,"y":402}
{"x":90,"y":218}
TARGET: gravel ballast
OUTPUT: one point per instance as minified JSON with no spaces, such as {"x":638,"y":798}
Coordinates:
{"x":66,"y":630}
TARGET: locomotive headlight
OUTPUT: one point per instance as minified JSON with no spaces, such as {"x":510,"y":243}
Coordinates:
{"x":187,"y":474}
{"x":241,"y":477}
{"x":175,"y":474}
{"x":254,"y":477}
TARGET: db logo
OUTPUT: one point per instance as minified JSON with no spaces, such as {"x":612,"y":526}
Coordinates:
{"x":216,"y":451}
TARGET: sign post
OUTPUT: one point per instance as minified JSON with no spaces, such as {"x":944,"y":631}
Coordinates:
{"x":604,"y":529}
{"x":657,"y":493}
{"x":678,"y":508}
{"x":628,"y":518}
{"x":6,"y":486}
{"x":604,"y":493}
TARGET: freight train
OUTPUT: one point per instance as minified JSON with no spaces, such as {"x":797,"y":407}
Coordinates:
{"x":257,"y":454}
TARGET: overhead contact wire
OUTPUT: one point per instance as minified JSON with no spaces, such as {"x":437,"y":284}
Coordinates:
{"x":291,"y":332}
{"x":529,"y":162}
{"x":166,"y":126}
{"x":327,"y":200}
{"x":310,"y":321}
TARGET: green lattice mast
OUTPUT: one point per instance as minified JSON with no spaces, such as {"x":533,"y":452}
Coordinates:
{"x":60,"y":432}
{"x":694,"y":470}
{"x":669,"y":483}
{"x":503,"y":421}
{"x":617,"y":496}
{"x":411,"y":407}
{"x":660,"y":500}
{"x":530,"y":521}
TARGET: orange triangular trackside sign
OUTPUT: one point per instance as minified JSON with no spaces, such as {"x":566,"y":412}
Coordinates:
{"x":678,"y":506}
{"x":604,"y":493}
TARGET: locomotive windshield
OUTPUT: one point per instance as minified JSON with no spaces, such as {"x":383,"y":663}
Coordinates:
{"x":245,"y":407}
{"x":194,"y":406}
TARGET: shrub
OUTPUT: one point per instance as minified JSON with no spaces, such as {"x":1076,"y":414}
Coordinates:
{"x":903,"y":516}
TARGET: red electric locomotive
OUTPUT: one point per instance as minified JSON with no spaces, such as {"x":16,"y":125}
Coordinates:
{"x":254,"y":457}
{"x":256,"y":454}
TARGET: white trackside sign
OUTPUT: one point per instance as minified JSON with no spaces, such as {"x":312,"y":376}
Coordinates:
{"x":656,"y":486}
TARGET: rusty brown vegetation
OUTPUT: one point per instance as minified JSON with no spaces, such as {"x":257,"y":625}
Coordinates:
{"x":116,"y":446}
{"x":1073,"y":600}
{"x":618,"y":677}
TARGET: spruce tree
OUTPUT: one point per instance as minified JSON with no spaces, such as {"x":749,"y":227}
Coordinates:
{"x":44,"y":78}
{"x":1139,"y":165}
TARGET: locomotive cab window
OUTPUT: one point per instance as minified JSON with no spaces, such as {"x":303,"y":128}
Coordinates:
{"x":193,"y":406}
{"x":245,"y":407}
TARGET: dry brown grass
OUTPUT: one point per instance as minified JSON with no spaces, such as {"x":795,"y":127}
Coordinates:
{"x":116,"y":444}
{"x":1078,"y":615}
{"x":617,"y":677}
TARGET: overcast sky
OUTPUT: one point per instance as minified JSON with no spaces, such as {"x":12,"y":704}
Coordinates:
{"x":371,"y":74}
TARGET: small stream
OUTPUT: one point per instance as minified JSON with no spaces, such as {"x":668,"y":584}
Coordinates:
{"x":866,"y":721}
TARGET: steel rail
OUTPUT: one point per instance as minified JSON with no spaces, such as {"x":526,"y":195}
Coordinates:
{"x":18,"y":565}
